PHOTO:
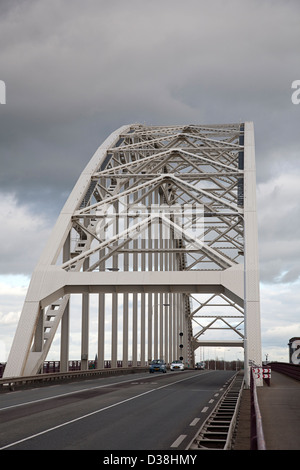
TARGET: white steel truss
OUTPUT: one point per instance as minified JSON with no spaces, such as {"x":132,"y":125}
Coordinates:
{"x":163,"y":219}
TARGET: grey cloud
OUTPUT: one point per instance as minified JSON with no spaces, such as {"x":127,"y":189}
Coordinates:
{"x":279,"y":230}
{"x":75,"y":72}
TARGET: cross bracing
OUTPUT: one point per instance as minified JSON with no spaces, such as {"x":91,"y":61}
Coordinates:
{"x":162,"y":213}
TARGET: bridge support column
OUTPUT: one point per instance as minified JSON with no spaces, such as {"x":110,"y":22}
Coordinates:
{"x":101,"y":331}
{"x":252,"y":337}
{"x":65,"y":339}
{"x":65,"y":321}
{"x":85,"y":332}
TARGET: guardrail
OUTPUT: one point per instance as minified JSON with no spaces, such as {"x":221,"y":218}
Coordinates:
{"x":257,"y":435}
{"x":50,"y":367}
{"x":10,"y":383}
{"x":292,"y":370}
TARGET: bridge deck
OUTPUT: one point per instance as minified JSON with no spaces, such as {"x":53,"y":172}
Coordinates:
{"x":280,"y":410}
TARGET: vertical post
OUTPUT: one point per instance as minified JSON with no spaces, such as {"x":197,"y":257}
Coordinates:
{"x":85,"y":327}
{"x":101,"y":331}
{"x":65,"y":321}
{"x":134,"y":328}
{"x":64,"y":339}
{"x":114,"y":314}
{"x":101,"y":320}
{"x":175,"y":328}
{"x":143,"y":305}
{"x":114,"y":330}
{"x":161,"y":300}
{"x":125,"y":330}
{"x":135,"y":305}
{"x":161,"y":326}
{"x":166,"y":311}
{"x":170,"y":329}
{"x":155,"y":234}
{"x":166,"y":328}
{"x":125,"y":307}
{"x":150,"y":296}
{"x":150,"y":327}
{"x":143,"y":329}
{"x":252,"y":342}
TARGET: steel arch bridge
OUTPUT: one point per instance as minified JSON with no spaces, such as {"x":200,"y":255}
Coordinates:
{"x":161,"y":226}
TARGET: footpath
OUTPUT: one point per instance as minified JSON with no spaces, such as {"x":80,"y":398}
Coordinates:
{"x":279,"y":406}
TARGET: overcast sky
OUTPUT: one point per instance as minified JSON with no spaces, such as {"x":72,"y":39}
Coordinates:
{"x":76,"y":71}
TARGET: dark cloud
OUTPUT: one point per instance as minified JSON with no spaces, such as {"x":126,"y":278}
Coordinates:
{"x":76,"y":72}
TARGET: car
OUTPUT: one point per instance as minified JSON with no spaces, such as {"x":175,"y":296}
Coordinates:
{"x":200,"y":365}
{"x":177,"y":365}
{"x":157,"y":365}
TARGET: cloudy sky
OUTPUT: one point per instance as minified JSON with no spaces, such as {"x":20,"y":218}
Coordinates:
{"x":76,"y":71}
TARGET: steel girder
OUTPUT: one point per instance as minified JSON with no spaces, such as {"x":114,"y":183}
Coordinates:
{"x":160,"y":213}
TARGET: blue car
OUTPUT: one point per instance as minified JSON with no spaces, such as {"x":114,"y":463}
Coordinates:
{"x":158,"y":365}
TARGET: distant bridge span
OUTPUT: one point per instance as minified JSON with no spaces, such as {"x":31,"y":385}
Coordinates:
{"x":161,"y":225}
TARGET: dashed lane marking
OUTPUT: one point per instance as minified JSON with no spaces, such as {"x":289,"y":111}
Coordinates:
{"x":179,"y":440}
{"x":194,"y":422}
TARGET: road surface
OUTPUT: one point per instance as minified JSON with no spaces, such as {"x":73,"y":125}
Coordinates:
{"x":135,"y":412}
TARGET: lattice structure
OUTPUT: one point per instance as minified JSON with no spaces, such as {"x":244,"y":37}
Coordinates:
{"x":163,"y":220}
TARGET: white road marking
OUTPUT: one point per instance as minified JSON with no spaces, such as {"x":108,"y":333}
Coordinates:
{"x":194,"y":422}
{"x":179,"y":440}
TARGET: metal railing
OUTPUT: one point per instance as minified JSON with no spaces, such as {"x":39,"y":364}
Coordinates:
{"x":10,"y":383}
{"x":292,"y":370}
{"x":257,"y":435}
{"x":50,"y":367}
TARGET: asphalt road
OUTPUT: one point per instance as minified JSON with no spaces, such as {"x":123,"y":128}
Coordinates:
{"x":138,"y":412}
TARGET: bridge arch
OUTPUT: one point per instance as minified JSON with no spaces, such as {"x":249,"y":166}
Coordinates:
{"x":162,"y":221}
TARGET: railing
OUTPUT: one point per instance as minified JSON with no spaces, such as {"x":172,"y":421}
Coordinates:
{"x":54,"y":366}
{"x":9,"y":383}
{"x":292,"y":370}
{"x":50,"y":367}
{"x":257,"y":435}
